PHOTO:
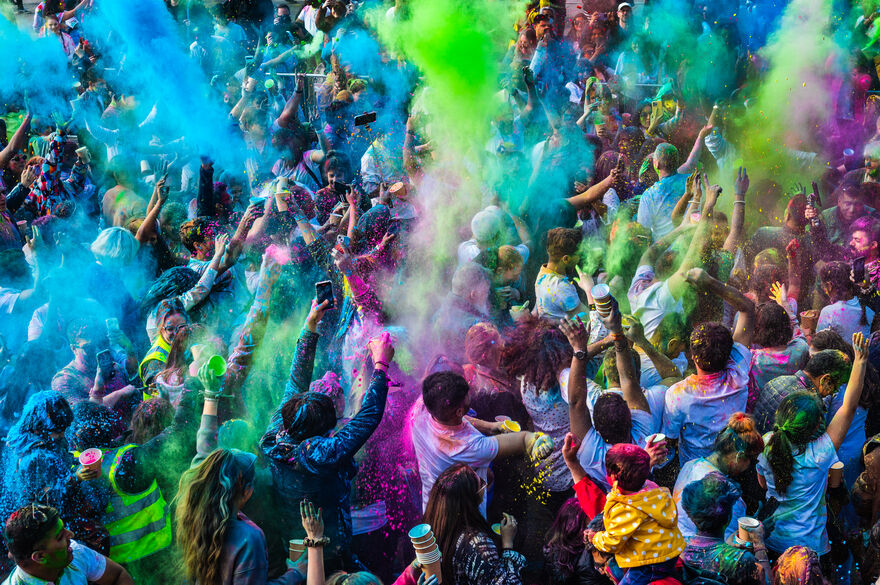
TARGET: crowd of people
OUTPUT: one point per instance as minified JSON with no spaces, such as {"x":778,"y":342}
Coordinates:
{"x":281,"y":282}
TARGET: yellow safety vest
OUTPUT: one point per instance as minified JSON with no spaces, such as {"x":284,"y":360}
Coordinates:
{"x":139,"y":524}
{"x":158,"y":352}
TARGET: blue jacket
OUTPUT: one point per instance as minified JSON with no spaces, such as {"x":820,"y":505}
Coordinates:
{"x":320,"y":468}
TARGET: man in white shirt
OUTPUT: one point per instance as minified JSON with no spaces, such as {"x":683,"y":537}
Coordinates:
{"x":44,"y":552}
{"x":442,"y":435}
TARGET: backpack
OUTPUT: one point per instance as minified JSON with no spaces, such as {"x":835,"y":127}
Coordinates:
{"x":695,"y":576}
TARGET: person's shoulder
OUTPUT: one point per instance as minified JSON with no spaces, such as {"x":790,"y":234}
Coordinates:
{"x":91,"y":563}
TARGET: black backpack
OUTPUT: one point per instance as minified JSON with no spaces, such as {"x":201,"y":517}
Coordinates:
{"x":695,"y":576}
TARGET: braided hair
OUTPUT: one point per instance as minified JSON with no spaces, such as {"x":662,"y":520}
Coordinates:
{"x":800,"y":420}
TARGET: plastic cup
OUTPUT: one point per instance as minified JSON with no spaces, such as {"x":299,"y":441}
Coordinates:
{"x":835,"y":476}
{"x":496,"y":528}
{"x":747,"y":525}
{"x":217,"y":365}
{"x":501,"y":418}
{"x":809,"y":319}
{"x":511,"y":426}
{"x":297,"y":548}
{"x":431,"y":555}
{"x":91,"y":459}
{"x":659,"y":438}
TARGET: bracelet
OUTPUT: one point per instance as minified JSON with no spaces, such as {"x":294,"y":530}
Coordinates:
{"x":618,"y":337}
{"x":735,"y":201}
{"x":316,"y":542}
{"x":381,"y":364}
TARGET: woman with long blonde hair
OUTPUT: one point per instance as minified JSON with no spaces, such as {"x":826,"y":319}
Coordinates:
{"x":219,"y":544}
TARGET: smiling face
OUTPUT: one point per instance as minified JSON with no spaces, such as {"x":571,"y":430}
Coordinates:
{"x":54,"y":551}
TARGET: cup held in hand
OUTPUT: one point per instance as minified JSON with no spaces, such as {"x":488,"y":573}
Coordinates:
{"x":297,"y":548}
{"x":747,"y":525}
{"x":835,"y":475}
{"x":217,"y":365}
{"x":601,"y":294}
{"x":511,"y":426}
{"x":809,"y":320}
{"x":91,"y":459}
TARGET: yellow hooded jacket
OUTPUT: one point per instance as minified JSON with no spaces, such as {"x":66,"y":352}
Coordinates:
{"x":640,"y":528}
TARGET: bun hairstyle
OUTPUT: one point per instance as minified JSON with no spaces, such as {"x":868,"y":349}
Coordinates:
{"x":739,"y":436}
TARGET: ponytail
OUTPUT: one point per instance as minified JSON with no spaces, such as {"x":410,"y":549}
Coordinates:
{"x":800,"y":419}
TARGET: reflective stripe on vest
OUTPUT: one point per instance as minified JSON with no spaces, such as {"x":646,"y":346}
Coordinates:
{"x":139,"y":524}
{"x":158,"y":352}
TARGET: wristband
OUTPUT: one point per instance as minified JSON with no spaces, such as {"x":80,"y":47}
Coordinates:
{"x":316,"y":542}
{"x":381,"y":364}
{"x":618,"y":337}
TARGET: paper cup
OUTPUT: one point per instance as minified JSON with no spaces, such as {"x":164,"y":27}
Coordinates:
{"x":397,"y":190}
{"x":297,"y":548}
{"x":809,"y":320}
{"x":496,"y":528}
{"x":655,"y":438}
{"x":835,"y":476}
{"x":91,"y":459}
{"x":601,"y":294}
{"x":431,"y":555}
{"x":511,"y":426}
{"x":217,"y":365}
{"x":420,"y":534}
{"x":746,"y":525}
{"x":433,"y":568}
{"x":423,"y":547}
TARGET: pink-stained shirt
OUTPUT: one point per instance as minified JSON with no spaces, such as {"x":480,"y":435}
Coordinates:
{"x":698,"y":407}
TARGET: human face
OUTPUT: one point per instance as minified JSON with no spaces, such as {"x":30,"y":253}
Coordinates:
{"x":85,"y":352}
{"x":174,"y":323}
{"x":52,"y":25}
{"x":54,"y":551}
{"x":645,"y":117}
{"x":850,"y":208}
{"x":524,"y":47}
{"x":623,"y":16}
{"x":17,"y":163}
{"x":873,"y":166}
{"x":511,"y":274}
{"x":333,"y":175}
{"x":542,"y":28}
{"x":861,"y":245}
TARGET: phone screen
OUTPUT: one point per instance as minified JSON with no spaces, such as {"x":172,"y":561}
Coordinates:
{"x":324,"y":292}
{"x":105,"y":362}
{"x":859,"y":270}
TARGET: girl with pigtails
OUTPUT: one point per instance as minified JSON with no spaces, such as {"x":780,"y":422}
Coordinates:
{"x":797,"y":458}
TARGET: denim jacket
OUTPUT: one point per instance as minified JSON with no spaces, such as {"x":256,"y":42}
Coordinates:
{"x":320,"y":468}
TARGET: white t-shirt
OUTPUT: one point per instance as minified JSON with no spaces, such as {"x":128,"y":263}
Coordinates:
{"x":593,"y":448}
{"x":846,"y":317}
{"x":698,"y":407}
{"x":801,"y":516}
{"x":86,"y":566}
{"x":650,"y":302}
{"x":438,"y":447}
{"x":556,"y":295}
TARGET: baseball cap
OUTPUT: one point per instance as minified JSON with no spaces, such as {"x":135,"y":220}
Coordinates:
{"x":623,"y":5}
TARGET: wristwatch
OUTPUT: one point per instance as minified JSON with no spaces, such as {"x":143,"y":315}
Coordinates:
{"x":580,"y":354}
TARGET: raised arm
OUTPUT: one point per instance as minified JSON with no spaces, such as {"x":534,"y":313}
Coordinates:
{"x":304,"y":356}
{"x":578,"y":335}
{"x":236,"y":244}
{"x":744,"y":306}
{"x":17,"y":142}
{"x":738,"y":220}
{"x":350,"y":438}
{"x":666,"y":368}
{"x":839,"y":425}
{"x":693,"y":158}
{"x":288,"y":114}
{"x":147,"y":228}
{"x":629,"y":381}
{"x":677,"y":282}
{"x":254,"y":327}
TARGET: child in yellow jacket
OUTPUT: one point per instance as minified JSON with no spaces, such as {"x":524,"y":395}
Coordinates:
{"x":640,"y":518}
